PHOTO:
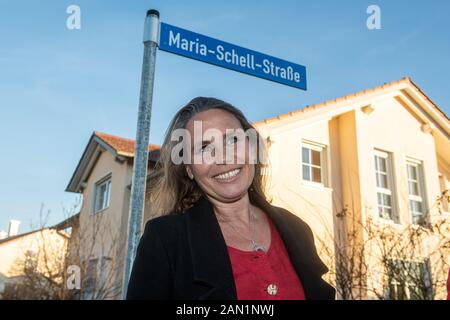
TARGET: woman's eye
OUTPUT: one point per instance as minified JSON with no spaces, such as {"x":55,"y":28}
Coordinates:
{"x":232,"y":140}
{"x":207,"y":148}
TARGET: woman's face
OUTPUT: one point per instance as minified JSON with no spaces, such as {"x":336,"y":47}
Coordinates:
{"x":230,"y":174}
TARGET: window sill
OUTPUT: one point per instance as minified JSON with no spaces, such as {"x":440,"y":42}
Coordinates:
{"x":425,"y":226}
{"x":100,"y":211}
{"x":400,"y":225}
{"x":388,"y":222}
{"x":314,"y":185}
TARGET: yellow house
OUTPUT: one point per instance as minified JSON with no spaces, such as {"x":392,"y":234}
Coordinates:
{"x":380,"y":156}
{"x":33,"y":263}
{"x":103,"y":178}
{"x":373,"y":161}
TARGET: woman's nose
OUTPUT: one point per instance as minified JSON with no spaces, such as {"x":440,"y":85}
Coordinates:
{"x":227,"y":156}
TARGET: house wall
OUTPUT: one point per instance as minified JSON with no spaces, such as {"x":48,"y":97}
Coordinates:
{"x":392,"y":127}
{"x":313,"y":203}
{"x":444,"y":183}
{"x":102,"y":234}
{"x":109,"y":228}
{"x":350,"y":139}
{"x":48,"y":245}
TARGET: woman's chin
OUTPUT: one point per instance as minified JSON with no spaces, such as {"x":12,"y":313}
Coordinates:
{"x":231,"y":194}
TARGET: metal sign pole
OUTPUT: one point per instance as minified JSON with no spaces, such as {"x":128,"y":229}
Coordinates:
{"x":151,"y":42}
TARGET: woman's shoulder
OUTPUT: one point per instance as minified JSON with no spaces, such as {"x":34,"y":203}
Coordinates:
{"x":165,"y":227}
{"x":163,"y":232}
{"x":166,"y":222}
{"x":175,"y":224}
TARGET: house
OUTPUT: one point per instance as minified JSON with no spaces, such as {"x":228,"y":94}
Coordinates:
{"x":37,"y":257}
{"x":381,"y":155}
{"x":374,"y":160}
{"x":103,"y":178}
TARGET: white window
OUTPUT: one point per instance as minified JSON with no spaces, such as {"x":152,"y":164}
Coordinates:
{"x":409,"y":280}
{"x":313,"y":163}
{"x":415,"y":192}
{"x":102,"y":194}
{"x":384,"y":185}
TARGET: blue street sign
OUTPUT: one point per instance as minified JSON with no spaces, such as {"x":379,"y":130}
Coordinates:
{"x":199,"y":47}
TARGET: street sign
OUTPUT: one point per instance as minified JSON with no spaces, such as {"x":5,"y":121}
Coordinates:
{"x":199,"y":47}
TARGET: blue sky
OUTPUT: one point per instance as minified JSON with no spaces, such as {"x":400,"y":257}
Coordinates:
{"x":58,"y":85}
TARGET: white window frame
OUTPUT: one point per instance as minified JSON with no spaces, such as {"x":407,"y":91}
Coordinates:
{"x":323,"y":163}
{"x":409,"y":285}
{"x":106,"y":199}
{"x":390,"y":190}
{"x":420,"y":186}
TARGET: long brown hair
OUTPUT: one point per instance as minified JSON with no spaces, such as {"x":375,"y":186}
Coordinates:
{"x":169,"y":189}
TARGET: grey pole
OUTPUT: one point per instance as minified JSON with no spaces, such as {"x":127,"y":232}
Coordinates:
{"x":151,"y":42}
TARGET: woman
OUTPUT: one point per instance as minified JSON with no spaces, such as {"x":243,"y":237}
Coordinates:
{"x":217,"y":236}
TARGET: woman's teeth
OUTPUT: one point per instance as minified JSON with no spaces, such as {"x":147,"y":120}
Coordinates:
{"x":227,"y":175}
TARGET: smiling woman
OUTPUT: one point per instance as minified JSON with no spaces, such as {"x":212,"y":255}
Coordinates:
{"x":216,"y":235}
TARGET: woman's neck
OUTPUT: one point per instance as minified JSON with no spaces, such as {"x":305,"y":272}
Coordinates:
{"x":233,"y":211}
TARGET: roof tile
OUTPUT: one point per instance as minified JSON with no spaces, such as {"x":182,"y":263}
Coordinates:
{"x":123,"y":146}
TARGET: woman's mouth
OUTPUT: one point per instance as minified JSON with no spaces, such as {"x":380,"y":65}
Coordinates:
{"x":228,"y":176}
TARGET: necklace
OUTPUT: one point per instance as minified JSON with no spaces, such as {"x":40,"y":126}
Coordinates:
{"x":255,"y":245}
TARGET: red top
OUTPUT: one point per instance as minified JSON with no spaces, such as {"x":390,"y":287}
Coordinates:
{"x":265,"y":276}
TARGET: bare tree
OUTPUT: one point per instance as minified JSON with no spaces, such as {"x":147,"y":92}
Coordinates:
{"x":96,"y":249}
{"x":92,"y":253}
{"x":38,"y":272}
{"x":388,"y":261}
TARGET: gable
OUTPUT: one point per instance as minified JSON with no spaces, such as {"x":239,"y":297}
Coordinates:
{"x":121,"y":149}
{"x":404,"y":90}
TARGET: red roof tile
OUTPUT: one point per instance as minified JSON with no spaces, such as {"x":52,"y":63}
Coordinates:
{"x":123,"y":146}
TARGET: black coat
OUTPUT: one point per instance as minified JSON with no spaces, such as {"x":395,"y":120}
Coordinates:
{"x":184,"y":256}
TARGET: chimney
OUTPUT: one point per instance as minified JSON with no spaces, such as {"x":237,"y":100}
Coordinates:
{"x":3,"y":235}
{"x":13,"y":228}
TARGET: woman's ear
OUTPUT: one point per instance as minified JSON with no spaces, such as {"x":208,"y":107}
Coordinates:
{"x":189,"y":172}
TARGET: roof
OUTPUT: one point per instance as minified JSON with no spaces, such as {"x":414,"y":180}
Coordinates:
{"x":17,"y":236}
{"x":60,"y":226}
{"x":69,"y":222}
{"x":405,"y":80}
{"x":121,"y":148}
